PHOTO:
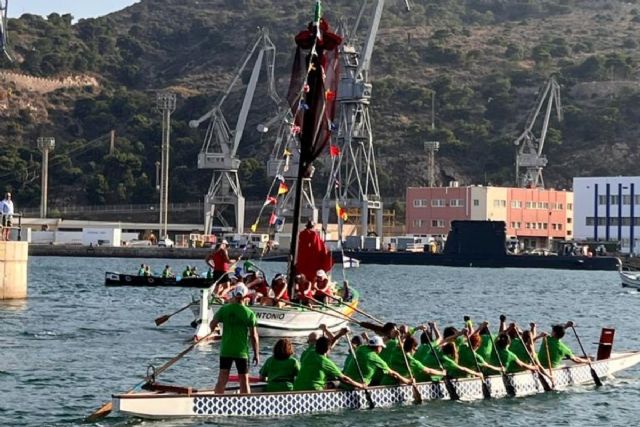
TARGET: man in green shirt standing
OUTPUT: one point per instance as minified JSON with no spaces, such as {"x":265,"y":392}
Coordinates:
{"x":557,"y":349}
{"x":316,"y":368}
{"x":239,"y":325}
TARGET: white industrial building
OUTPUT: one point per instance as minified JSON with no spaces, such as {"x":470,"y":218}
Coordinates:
{"x":608,"y":209}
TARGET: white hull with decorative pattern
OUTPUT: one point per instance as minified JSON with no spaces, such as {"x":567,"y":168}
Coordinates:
{"x":207,"y":404}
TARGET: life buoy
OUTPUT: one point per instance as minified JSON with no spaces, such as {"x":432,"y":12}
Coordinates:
{"x":127,"y":278}
{"x":151,"y":280}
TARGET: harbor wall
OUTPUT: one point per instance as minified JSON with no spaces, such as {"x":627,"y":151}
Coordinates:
{"x":13,"y":270}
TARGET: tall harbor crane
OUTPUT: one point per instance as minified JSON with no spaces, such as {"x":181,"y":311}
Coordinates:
{"x":220,"y":147}
{"x":4,"y":4}
{"x":529,"y":159}
{"x":353,"y":171}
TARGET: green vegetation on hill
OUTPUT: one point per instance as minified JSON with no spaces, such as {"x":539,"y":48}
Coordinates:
{"x":485,"y":60}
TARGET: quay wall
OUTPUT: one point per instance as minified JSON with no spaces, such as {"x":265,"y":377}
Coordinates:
{"x":13,"y":270}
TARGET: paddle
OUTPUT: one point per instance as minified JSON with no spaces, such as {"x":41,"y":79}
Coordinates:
{"x":106,"y":409}
{"x":594,"y":375}
{"x":367,"y":393}
{"x":340,"y":301}
{"x":417,"y":397}
{"x":451,"y":388}
{"x":367,"y":325}
{"x":546,"y":345}
{"x":541,"y":378}
{"x":511,"y":390}
{"x":485,"y":389}
{"x":162,"y":319}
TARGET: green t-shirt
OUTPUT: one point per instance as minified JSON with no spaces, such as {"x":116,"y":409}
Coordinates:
{"x":236,"y":320}
{"x":422,"y":352}
{"x":280,"y":374}
{"x":557,"y":351}
{"x":315,"y":369}
{"x":452,"y":368}
{"x":429,"y":359}
{"x":347,"y":361}
{"x":518,"y":348}
{"x":388,"y":351}
{"x":307,"y":351}
{"x":370,"y":362}
{"x":466,"y":359}
{"x":486,"y":346}
{"x":398,"y":364}
{"x":508,"y":359}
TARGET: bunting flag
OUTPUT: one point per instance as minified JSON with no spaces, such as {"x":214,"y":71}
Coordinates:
{"x":334,"y":150}
{"x":270,"y":201}
{"x":295,"y":130}
{"x":273,"y":218}
{"x":287,"y":153}
{"x":330,"y":95}
{"x":283,"y":188}
{"x":306,"y":88}
{"x":341,"y":213}
{"x":280,"y":178}
{"x":254,"y":227}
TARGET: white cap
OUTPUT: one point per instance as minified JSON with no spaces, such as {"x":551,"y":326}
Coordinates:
{"x":321,"y":274}
{"x":376,"y":341}
{"x":224,"y":242}
{"x":239,"y":291}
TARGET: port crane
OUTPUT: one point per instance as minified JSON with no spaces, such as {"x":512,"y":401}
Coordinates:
{"x":220,"y":147}
{"x":529,"y":158}
{"x":353,"y":171}
{"x":4,"y":5}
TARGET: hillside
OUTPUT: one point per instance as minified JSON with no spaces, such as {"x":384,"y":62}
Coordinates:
{"x":485,"y":60}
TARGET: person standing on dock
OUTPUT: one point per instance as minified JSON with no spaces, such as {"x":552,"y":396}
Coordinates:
{"x":219,"y":260}
{"x":239,"y":326}
{"x":6,"y":209}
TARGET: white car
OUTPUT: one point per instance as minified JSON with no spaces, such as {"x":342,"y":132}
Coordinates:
{"x":136,"y":243}
{"x":165,"y":243}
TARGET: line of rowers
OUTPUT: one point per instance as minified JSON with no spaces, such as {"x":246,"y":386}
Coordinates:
{"x":454,"y":353}
{"x":305,"y":291}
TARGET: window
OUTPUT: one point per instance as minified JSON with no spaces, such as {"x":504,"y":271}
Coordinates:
{"x":613,"y":221}
{"x":438,"y":223}
{"x":569,"y":206}
{"x":602,"y":200}
{"x":636,"y":200}
{"x":456,"y":203}
{"x":540,"y":205}
{"x":569,"y":233}
{"x":438,"y":203}
{"x":545,"y":226}
{"x":528,"y":205}
{"x":514,"y":204}
{"x":540,"y":226}
{"x":569,"y":220}
{"x":614,"y":200}
{"x":420,"y":203}
{"x":503,"y":203}
{"x":626,"y":199}
{"x":560,"y":206}
{"x":527,"y":225}
{"x":517,"y":225}
{"x":499,"y":203}
{"x":546,"y":205}
{"x":513,"y":224}
{"x":476,"y":202}
{"x":559,"y":226}
{"x":590,"y":221}
{"x":418,"y":223}
{"x":496,"y":203}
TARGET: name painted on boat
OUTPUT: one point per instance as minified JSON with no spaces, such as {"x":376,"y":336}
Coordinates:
{"x":270,"y":316}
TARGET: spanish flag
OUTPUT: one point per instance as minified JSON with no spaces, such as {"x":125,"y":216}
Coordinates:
{"x":283,"y":188}
{"x":341,"y":213}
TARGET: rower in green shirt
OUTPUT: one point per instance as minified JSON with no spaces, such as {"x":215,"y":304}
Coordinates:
{"x":281,"y":369}
{"x":557,"y":349}
{"x":450,"y":363}
{"x":239,"y":326}
{"x":510,"y":361}
{"x":371,"y":364}
{"x":420,"y":372}
{"x":166,"y":273}
{"x":317,"y":368}
{"x":311,"y":346}
{"x":466,"y":356}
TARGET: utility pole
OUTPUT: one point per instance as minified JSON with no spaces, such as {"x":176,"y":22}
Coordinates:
{"x":112,"y":142}
{"x":45,"y":144}
{"x":157,"y":176}
{"x":166,"y":104}
{"x":432,"y":147}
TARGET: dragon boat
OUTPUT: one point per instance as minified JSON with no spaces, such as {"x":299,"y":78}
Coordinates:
{"x":159,"y":401}
{"x":120,"y":279}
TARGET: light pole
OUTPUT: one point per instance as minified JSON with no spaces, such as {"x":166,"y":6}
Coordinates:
{"x":166,"y":104}
{"x":157,"y":176}
{"x":432,"y":147}
{"x":45,"y":144}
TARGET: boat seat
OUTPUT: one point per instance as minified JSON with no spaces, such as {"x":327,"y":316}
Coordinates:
{"x":606,"y":343}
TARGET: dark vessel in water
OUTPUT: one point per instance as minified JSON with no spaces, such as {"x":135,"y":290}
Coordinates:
{"x":481,"y":244}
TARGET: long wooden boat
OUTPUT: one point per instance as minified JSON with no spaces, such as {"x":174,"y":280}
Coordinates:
{"x":120,"y":279}
{"x":281,"y":321}
{"x":630,"y":279}
{"x":205,"y":403}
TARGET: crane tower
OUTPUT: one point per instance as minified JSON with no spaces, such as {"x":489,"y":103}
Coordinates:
{"x":4,"y":4}
{"x":529,"y":159}
{"x":220,"y":147}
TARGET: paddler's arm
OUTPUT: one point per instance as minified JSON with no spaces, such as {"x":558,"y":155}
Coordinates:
{"x":326,"y":332}
{"x":399,"y":378}
{"x":255,"y":344}
{"x":480,"y":327}
{"x":469,"y":371}
{"x":527,"y":366}
{"x":503,"y":320}
{"x":342,"y":332}
{"x":493,"y":368}
{"x":434,"y":372}
{"x":436,"y":332}
{"x":345,"y":379}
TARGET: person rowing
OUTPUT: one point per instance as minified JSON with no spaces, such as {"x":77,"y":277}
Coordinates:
{"x":450,"y":363}
{"x":257,"y":285}
{"x":141,"y":270}
{"x":510,"y":361}
{"x":303,"y":290}
{"x":371,"y":364}
{"x":312,"y":338}
{"x":355,"y":343}
{"x":557,"y":349}
{"x":322,"y":287}
{"x":166,"y":272}
{"x":467,"y":358}
{"x":486,"y":346}
{"x":239,"y":327}
{"x":281,"y":369}
{"x":420,"y":372}
{"x":316,"y":368}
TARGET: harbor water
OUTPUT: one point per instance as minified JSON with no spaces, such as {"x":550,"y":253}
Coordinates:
{"x":73,"y":342}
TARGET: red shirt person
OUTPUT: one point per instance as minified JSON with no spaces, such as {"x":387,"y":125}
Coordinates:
{"x":219,"y":260}
{"x":313,"y":255}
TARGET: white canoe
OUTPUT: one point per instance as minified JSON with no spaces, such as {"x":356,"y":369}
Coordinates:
{"x":630,"y":279}
{"x":348,"y":262}
{"x":282,"y":322}
{"x":205,"y":403}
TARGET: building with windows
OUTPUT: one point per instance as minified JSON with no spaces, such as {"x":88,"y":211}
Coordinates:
{"x":534,"y":216}
{"x":608,"y":209}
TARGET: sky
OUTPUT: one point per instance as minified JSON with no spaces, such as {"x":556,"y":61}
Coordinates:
{"x":78,"y":8}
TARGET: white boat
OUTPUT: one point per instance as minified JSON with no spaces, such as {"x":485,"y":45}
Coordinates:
{"x":281,"y":322}
{"x":630,"y":279}
{"x":348,"y":262}
{"x":168,"y":402}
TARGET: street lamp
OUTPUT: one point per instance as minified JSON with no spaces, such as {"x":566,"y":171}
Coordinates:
{"x":45,"y":144}
{"x":432,"y":147}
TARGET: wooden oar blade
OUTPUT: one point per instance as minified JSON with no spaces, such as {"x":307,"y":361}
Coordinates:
{"x":596,"y":378}
{"x":485,"y":390}
{"x":417,"y":397}
{"x":162,"y":319}
{"x":451,"y":389}
{"x":100,"y":413}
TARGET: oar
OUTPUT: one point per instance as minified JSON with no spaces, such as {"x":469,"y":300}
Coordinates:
{"x":511,"y":390}
{"x":162,"y":319}
{"x":546,"y":345}
{"x":106,"y":409}
{"x":417,"y":397}
{"x":340,"y":301}
{"x":451,"y":388}
{"x":594,"y":375}
{"x":367,"y":325}
{"x":485,"y":389}
{"x":367,"y":393}
{"x":541,"y":378}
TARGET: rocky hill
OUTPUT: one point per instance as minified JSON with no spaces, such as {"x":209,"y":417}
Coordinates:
{"x":484,"y":60}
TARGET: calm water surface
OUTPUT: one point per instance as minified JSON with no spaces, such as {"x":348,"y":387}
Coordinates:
{"x":74,"y":341}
